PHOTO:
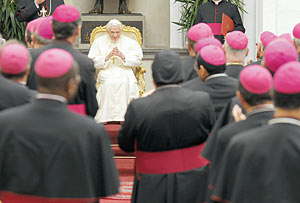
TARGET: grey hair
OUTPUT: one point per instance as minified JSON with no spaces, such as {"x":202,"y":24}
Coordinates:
{"x":41,"y":40}
{"x":297,"y":42}
{"x":113,"y":22}
{"x":236,"y":52}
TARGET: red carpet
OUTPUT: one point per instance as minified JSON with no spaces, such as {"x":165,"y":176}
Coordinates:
{"x":125,"y":166}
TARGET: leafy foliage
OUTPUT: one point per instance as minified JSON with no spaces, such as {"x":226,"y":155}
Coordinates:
{"x":10,"y":28}
{"x":190,"y":9}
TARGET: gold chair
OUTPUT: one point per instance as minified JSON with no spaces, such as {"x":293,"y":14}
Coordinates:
{"x":134,"y":34}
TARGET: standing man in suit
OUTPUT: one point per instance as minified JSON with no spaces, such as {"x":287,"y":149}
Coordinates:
{"x":194,"y":34}
{"x":14,"y":60}
{"x":212,"y":14}
{"x":28,"y":10}
{"x":168,"y":129}
{"x":210,"y":66}
{"x":236,"y":49}
{"x":66,"y":27}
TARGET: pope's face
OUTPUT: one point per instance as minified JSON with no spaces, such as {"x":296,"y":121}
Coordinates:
{"x":114,"y":33}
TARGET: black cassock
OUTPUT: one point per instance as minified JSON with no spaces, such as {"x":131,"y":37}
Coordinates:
{"x":233,"y":70}
{"x":211,"y":14}
{"x":188,"y":64}
{"x":224,"y":119}
{"x":256,"y":118}
{"x":49,"y":152}
{"x":86,"y":91}
{"x":172,"y":118}
{"x":12,"y":94}
{"x":220,"y":87}
{"x":27,"y":11}
{"x":262,"y":165}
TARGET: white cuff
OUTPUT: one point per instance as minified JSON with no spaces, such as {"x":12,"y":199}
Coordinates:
{"x":36,"y":5}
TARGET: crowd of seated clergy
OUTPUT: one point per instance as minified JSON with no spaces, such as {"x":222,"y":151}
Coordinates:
{"x":213,"y":129}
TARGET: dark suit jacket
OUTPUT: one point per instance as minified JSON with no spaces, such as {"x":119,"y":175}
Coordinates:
{"x":234,"y":70}
{"x":12,"y":94}
{"x":220,"y":89}
{"x":27,"y":11}
{"x":170,"y":118}
{"x":48,"y":151}
{"x":87,"y":89}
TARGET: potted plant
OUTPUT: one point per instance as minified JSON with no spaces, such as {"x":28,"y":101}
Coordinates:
{"x":10,"y":28}
{"x":190,"y":9}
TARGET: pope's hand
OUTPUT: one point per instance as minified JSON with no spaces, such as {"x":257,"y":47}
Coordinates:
{"x":118,"y":53}
{"x":111,"y":54}
{"x":39,"y":1}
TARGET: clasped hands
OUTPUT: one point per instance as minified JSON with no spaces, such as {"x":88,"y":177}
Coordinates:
{"x":115,"y":52}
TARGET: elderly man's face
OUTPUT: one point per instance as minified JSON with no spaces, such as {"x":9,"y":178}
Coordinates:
{"x":114,"y":33}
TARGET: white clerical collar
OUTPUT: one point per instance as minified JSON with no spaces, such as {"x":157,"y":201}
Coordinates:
{"x":52,"y":97}
{"x":284,"y":120}
{"x":260,"y":109}
{"x":217,"y":1}
{"x":216,"y":76}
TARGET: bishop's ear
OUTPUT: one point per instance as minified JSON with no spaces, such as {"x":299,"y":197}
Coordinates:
{"x":72,"y":87}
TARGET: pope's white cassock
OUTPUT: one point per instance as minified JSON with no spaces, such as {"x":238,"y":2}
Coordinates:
{"x":118,"y":85}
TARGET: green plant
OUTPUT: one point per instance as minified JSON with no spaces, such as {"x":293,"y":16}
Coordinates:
{"x":10,"y":28}
{"x":190,"y":9}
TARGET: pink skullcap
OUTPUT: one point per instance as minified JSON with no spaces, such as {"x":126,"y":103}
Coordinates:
{"x":287,"y":78}
{"x":45,"y":28}
{"x":207,"y":41}
{"x":267,"y":37}
{"x":296,"y":31}
{"x":237,"y":40}
{"x":256,"y":79}
{"x":14,"y":59}
{"x":199,"y":31}
{"x":213,"y":55}
{"x":66,"y":14}
{"x":287,"y":36}
{"x":279,"y":52}
{"x":34,"y":24}
{"x":53,"y":63}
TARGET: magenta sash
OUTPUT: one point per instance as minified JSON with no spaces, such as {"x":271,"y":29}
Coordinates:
{"x":216,"y":28}
{"x":77,"y":108}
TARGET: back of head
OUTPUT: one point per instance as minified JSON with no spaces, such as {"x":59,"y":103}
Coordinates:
{"x":287,"y":86}
{"x":266,"y":38}
{"x":296,"y":33}
{"x":14,"y":60}
{"x":31,"y":28}
{"x":197,"y":32}
{"x":279,"y":52}
{"x":287,"y":37}
{"x":66,"y":19}
{"x":44,"y":33}
{"x":236,"y":44}
{"x":166,"y":68}
{"x":212,"y":58}
{"x":255,"y":85}
{"x":205,"y":42}
{"x":57,"y":73}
